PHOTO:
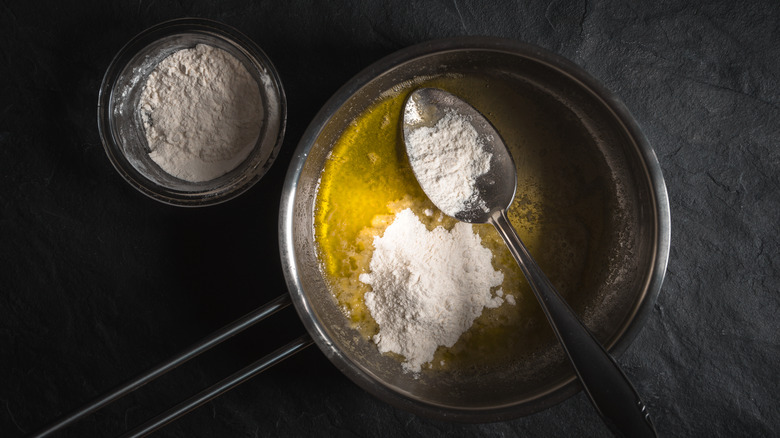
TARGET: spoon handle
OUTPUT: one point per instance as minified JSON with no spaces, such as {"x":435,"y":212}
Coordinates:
{"x":607,"y":386}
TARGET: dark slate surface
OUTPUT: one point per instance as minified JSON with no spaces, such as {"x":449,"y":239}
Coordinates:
{"x":97,"y":282}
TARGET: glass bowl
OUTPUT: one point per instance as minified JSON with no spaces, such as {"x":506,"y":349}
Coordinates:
{"x":121,"y":126}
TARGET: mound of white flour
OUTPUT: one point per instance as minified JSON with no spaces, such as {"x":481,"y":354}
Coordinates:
{"x":202,"y":113}
{"x":428,"y":287}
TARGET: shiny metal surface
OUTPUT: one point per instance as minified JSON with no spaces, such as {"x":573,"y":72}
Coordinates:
{"x":478,"y":395}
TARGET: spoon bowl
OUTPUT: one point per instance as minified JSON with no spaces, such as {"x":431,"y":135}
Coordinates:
{"x":425,"y":107}
{"x":608,"y":388}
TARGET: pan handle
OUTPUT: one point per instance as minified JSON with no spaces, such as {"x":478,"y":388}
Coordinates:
{"x":220,"y":388}
{"x":195,"y":350}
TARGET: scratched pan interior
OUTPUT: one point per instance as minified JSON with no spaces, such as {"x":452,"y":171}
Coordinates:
{"x":614,"y":297}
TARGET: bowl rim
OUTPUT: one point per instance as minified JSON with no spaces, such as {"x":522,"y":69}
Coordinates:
{"x":653,"y":173}
{"x":169,"y":28}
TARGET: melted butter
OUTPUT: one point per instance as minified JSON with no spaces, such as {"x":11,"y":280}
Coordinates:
{"x":367,"y":179}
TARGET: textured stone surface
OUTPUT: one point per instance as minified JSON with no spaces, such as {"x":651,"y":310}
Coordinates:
{"x":98,"y":282}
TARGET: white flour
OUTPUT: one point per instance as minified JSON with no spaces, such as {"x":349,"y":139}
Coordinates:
{"x":428,"y":287}
{"x":447,"y":159}
{"x":202,"y":112}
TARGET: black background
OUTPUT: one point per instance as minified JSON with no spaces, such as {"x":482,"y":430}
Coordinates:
{"x":98,"y":282}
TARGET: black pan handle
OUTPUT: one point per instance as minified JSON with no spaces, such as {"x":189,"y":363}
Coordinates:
{"x":195,"y":350}
{"x":220,"y":388}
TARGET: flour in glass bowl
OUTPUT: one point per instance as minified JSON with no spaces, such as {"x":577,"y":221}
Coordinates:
{"x":202,"y":113}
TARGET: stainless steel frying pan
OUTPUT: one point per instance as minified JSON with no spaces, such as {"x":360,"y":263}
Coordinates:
{"x":614,"y":306}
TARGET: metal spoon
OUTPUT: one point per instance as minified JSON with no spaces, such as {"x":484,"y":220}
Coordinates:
{"x":607,"y":386}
